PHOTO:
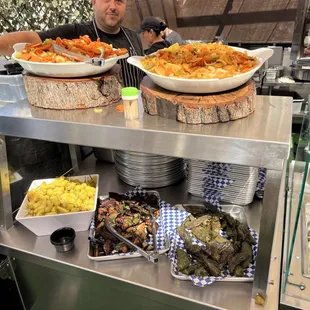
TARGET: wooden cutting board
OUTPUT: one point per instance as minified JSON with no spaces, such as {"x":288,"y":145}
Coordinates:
{"x":74,"y":93}
{"x":199,"y":109}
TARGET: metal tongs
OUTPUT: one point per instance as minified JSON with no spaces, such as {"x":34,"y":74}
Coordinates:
{"x":95,"y":61}
{"x":150,"y":256}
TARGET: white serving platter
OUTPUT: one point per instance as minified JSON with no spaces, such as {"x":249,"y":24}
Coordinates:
{"x":199,"y":86}
{"x":47,"y":224}
{"x":64,"y":70}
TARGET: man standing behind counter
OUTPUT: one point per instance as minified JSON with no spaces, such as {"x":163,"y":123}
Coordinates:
{"x":109,"y":15}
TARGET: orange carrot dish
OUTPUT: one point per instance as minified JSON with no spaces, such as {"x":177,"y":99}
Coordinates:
{"x":199,"y":61}
{"x":44,"y":52}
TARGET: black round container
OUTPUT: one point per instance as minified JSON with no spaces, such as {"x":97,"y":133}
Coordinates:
{"x":63,"y":239}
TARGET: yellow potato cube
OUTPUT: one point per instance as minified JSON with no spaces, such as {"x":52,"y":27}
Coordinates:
{"x":60,"y":196}
{"x":48,"y":209}
{"x":50,"y":213}
{"x":62,"y":210}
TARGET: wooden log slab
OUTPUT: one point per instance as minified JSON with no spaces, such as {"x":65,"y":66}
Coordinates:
{"x":199,"y":109}
{"x":74,"y":93}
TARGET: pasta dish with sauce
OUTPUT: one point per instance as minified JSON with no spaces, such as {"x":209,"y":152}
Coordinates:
{"x":199,"y":61}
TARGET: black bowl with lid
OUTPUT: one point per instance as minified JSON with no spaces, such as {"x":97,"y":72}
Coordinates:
{"x":63,"y":239}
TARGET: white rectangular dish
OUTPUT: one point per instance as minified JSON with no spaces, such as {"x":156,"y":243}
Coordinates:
{"x":45,"y":225}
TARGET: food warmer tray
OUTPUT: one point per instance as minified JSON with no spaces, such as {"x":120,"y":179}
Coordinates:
{"x":162,"y":239}
{"x":238,"y":213}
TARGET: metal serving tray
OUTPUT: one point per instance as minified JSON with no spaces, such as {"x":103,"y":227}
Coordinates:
{"x":236,"y":186}
{"x":201,"y":164}
{"x":163,"y":241}
{"x":148,"y":171}
{"x":200,"y":174}
{"x":241,"y":198}
{"x":238,"y":213}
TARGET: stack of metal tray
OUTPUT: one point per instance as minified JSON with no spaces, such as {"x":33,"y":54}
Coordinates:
{"x":240,"y":181}
{"x":148,"y":170}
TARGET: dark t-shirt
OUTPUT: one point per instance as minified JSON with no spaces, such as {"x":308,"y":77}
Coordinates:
{"x":125,"y":38}
{"x":173,"y":37}
{"x":157,"y":46}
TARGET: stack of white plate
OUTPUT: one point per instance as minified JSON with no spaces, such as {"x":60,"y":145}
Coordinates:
{"x":240,"y":181}
{"x":148,"y":170}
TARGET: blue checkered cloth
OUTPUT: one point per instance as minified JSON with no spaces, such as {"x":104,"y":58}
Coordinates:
{"x":215,"y":179}
{"x":214,"y":166}
{"x":218,"y":181}
{"x":135,"y":191}
{"x":213,"y":197}
{"x":172,"y":218}
{"x":262,"y":172}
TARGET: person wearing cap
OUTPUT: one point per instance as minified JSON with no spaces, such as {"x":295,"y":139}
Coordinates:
{"x":170,"y":35}
{"x":151,"y":29}
{"x":106,"y":25}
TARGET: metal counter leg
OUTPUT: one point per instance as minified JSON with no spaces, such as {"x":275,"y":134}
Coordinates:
{"x":76,"y":157}
{"x":6,"y":218}
{"x":13,"y":277}
{"x":274,"y":190}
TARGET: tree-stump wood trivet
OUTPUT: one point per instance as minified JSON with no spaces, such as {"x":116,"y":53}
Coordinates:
{"x":74,"y":93}
{"x":199,"y":109}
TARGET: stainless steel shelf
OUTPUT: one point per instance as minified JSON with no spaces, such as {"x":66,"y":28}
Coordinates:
{"x":277,"y":83}
{"x":299,"y":115}
{"x":261,"y":139}
{"x":21,"y":243}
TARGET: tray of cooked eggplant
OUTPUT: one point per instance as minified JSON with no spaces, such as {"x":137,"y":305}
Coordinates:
{"x":127,"y":227}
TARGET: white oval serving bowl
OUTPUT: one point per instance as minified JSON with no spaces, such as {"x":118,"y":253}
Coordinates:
{"x":63,"y":70}
{"x":200,"y":86}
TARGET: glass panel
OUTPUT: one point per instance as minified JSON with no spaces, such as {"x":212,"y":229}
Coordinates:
{"x":298,"y":211}
{"x":296,"y":253}
{"x":304,"y":139}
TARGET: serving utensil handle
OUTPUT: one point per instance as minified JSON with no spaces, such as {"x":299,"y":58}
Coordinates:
{"x":152,"y":257}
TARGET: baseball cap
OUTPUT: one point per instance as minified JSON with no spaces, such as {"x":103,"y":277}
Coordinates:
{"x":149,"y":23}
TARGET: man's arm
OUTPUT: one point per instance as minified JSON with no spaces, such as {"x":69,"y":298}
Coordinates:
{"x":8,"y":40}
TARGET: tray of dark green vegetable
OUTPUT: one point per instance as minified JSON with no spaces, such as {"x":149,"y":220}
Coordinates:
{"x":209,"y":245}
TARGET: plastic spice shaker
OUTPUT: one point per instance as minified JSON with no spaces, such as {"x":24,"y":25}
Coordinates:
{"x":130,"y":100}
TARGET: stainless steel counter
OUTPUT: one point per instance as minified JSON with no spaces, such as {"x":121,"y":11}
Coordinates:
{"x":20,"y":243}
{"x":261,"y":139}
{"x":253,"y":140}
{"x":277,"y":83}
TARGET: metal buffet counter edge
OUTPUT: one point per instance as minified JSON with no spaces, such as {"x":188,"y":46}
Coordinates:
{"x":296,"y":281}
{"x":261,"y":140}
